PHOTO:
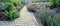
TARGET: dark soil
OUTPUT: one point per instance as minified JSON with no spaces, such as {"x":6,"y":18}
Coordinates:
{"x":2,"y":17}
{"x":31,"y":10}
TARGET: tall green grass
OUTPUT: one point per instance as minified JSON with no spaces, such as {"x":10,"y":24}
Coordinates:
{"x":12,"y":15}
{"x":48,"y":18}
{"x":12,"y":8}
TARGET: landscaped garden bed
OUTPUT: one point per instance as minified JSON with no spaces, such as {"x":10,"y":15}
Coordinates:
{"x":47,"y":16}
{"x":9,"y":9}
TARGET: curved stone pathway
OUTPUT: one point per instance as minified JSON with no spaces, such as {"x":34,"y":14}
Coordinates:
{"x":26,"y":19}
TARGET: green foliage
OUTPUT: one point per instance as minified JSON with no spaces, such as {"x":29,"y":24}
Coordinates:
{"x":11,"y":8}
{"x":8,"y":6}
{"x":58,"y":18}
{"x":11,"y":11}
{"x":4,"y":0}
{"x":40,"y":0}
{"x":36,"y":0}
{"x":1,"y":7}
{"x":16,"y":3}
{"x":47,"y":17}
{"x":55,"y":3}
{"x":11,"y":15}
{"x":51,"y":2}
{"x":58,"y":3}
